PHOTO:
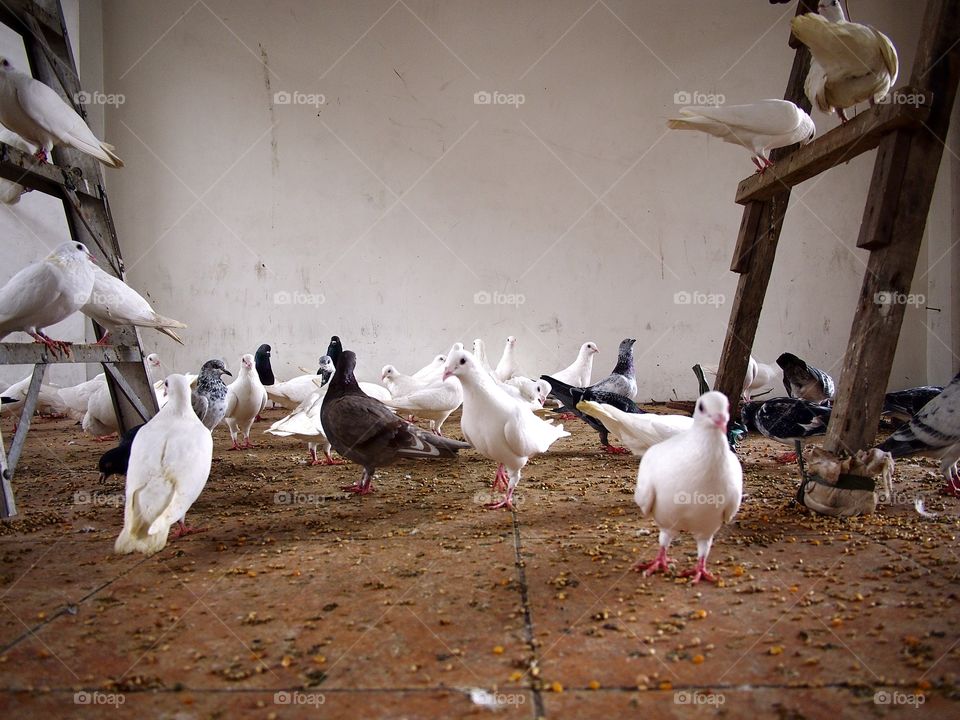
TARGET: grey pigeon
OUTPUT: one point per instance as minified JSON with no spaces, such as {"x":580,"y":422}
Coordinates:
{"x":326,"y":369}
{"x":367,"y":432}
{"x":904,"y":404}
{"x":786,"y":420}
{"x":621,"y":381}
{"x":935,"y":431}
{"x":805,"y":381}
{"x":209,"y":398}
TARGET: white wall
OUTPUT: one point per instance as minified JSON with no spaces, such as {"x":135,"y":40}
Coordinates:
{"x":229,"y":198}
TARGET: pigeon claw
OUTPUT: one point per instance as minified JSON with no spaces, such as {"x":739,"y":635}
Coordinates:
{"x":786,"y":458}
{"x":329,"y":460}
{"x":507,"y":503}
{"x":358,"y":488}
{"x":567,"y":416}
{"x":952,"y":488}
{"x":699,"y":573}
{"x":614,"y":450}
{"x":662,"y":562}
{"x":183,"y":529}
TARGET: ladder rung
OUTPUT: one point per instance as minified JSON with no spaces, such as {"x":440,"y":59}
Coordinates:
{"x":23,"y":168}
{"x":31,"y":353}
{"x":12,"y":13}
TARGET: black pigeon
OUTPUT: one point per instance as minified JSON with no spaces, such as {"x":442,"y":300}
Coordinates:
{"x":804,"y":381}
{"x":934,"y":431}
{"x":210,"y":395}
{"x":115,"y":460}
{"x":786,"y":420}
{"x":334,"y":349}
{"x":569,"y":396}
{"x":904,"y":404}
{"x":261,"y":361}
{"x":367,"y":432}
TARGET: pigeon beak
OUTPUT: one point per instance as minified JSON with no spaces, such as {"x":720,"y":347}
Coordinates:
{"x":720,"y":421}
{"x":227,"y":372}
{"x":447,"y":374}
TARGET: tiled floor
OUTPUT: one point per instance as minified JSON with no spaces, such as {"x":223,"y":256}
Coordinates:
{"x":416,"y":602}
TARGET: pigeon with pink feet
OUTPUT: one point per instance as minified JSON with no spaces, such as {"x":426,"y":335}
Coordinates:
{"x":246,"y":398}
{"x":497,"y":425}
{"x":691,"y":482}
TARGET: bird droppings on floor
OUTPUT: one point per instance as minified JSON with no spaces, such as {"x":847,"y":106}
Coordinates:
{"x":417,"y":602}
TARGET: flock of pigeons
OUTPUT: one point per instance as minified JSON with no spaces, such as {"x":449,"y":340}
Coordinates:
{"x":851,"y":63}
{"x":690,"y":478}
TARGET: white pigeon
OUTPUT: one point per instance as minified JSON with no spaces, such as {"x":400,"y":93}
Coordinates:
{"x":431,"y":372}
{"x":760,"y":127}
{"x":527,"y":390}
{"x":767,"y":376}
{"x":100,"y":419}
{"x":434,"y":402}
{"x":399,"y":384}
{"x":246,"y":398}
{"x":496,"y":425}
{"x":169,"y":466}
{"x":637,"y":431}
{"x":304,"y":424}
{"x":579,"y":372}
{"x":37,"y":114}
{"x":114,"y":304}
{"x":508,"y":367}
{"x":693,"y":482}
{"x":851,"y":63}
{"x":46,"y":292}
{"x":290,"y":393}
{"x":10,"y":192}
{"x":49,"y":401}
{"x":480,"y":353}
{"x":76,"y":398}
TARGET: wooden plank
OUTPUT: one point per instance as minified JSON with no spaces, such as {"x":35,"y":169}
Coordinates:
{"x":23,"y":168}
{"x":755,"y":253}
{"x":12,"y":13}
{"x":746,"y":237}
{"x":840,"y":145}
{"x":903,"y":178}
{"x":31,"y":353}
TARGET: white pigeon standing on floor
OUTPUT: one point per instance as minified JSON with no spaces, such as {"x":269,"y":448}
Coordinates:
{"x":480,"y":353}
{"x":431,"y":372}
{"x":508,"y":367}
{"x":304,"y":424}
{"x":851,"y":63}
{"x":10,"y":192}
{"x":48,"y":399}
{"x":579,"y":372}
{"x":36,"y":113}
{"x":46,"y":292}
{"x":637,"y":431}
{"x":246,"y":399}
{"x":760,"y":126}
{"x":76,"y":398}
{"x":693,"y":482}
{"x":434,"y":402}
{"x":114,"y":304}
{"x":496,"y":425}
{"x":169,"y":466}
{"x":100,"y":418}
{"x":399,"y":384}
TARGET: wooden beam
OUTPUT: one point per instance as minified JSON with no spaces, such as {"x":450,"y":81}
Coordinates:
{"x":13,"y":12}
{"x":901,"y":190}
{"x":23,"y":168}
{"x":754,"y":255}
{"x":31,"y":353}
{"x":839,"y":145}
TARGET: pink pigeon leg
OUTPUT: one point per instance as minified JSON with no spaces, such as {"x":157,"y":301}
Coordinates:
{"x":699,"y":572}
{"x":567,"y":416}
{"x":54,"y":345}
{"x":786,"y":458}
{"x":363,"y":487}
{"x":661,"y":562}
{"x":182,"y":530}
{"x":330,"y":460}
{"x":500,"y":480}
{"x":105,"y":340}
{"x":614,"y":450}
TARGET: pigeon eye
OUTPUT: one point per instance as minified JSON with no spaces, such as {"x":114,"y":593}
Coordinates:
{"x":700,"y":406}
{"x":463,"y":361}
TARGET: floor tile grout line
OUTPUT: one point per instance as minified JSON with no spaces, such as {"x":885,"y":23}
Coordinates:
{"x":66,"y":609}
{"x":527,"y":615}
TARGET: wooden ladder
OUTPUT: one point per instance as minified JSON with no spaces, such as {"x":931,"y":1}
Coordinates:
{"x":910,"y":139}
{"x":76,"y":179}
